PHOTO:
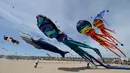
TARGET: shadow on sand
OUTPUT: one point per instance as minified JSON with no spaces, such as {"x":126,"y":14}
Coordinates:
{"x":77,"y":69}
{"x":38,"y":67}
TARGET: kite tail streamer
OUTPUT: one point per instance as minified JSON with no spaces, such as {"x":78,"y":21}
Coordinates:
{"x":114,"y":47}
{"x":110,"y":30}
{"x":85,"y":56}
{"x":104,"y":45}
{"x":109,"y":67}
{"x":79,"y":51}
{"x":102,"y":41}
{"x":113,"y":51}
{"x":110,"y":36}
{"x":89,"y":47}
{"x":110,"y":46}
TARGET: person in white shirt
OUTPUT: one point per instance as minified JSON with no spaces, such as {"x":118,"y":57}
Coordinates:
{"x":36,"y":63}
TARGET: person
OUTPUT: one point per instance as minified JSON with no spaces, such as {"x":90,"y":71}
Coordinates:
{"x":36,"y":63}
{"x":88,"y":65}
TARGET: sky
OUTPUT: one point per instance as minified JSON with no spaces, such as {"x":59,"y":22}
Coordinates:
{"x":20,"y":15}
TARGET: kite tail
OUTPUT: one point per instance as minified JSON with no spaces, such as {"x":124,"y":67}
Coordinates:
{"x":113,"y":46}
{"x":79,"y":51}
{"x":105,"y":43}
{"x":85,"y":56}
{"x":113,"y":51}
{"x":89,"y":47}
{"x":110,"y":67}
{"x":116,"y":40}
{"x":64,"y":53}
{"x":103,"y":36}
{"x":100,"y":38}
{"x":120,"y":50}
{"x":110,"y":30}
{"x":110,"y":45}
{"x":110,"y":36}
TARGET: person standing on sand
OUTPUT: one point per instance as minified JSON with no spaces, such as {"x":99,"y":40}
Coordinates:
{"x":36,"y":63}
{"x":88,"y":65}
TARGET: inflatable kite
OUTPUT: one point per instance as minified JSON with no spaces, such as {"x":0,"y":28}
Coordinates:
{"x":41,"y":44}
{"x":11,"y":39}
{"x":98,"y":23}
{"x":51,"y":31}
{"x":85,"y":27}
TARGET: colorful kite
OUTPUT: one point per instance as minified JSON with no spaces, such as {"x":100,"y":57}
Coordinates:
{"x":41,"y":44}
{"x":51,"y":31}
{"x":98,"y":23}
{"x":11,"y":39}
{"x":85,"y":27}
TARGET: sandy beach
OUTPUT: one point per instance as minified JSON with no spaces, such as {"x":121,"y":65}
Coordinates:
{"x":27,"y":66}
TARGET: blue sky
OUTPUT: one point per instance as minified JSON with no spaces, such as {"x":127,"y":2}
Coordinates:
{"x":67,"y":13}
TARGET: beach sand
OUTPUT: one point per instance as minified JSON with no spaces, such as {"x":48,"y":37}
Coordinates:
{"x":27,"y":66}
